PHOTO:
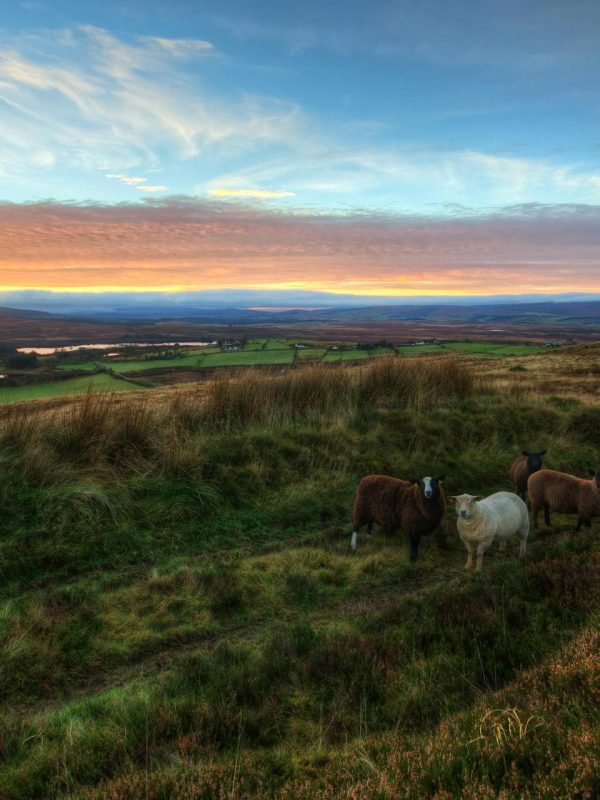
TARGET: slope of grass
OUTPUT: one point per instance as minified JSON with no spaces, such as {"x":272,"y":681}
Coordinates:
{"x":182,"y":615}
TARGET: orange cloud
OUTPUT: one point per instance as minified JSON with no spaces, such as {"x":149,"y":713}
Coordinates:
{"x":183,"y":243}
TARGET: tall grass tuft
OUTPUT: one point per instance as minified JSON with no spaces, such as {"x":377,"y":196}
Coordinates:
{"x":257,"y":398}
{"x":100,"y":428}
{"x":414,"y":383}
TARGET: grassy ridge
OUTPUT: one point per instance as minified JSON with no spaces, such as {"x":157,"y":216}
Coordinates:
{"x":182,"y":616}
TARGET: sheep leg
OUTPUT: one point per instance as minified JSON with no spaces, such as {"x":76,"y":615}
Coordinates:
{"x":503,"y":545}
{"x":522,"y":547}
{"x":480,"y":552}
{"x":358,"y":521}
{"x":414,"y":546}
{"x":547,"y":514}
{"x":580,"y":521}
{"x":470,"y":549}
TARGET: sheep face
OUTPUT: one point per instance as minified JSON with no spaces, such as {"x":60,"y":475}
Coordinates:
{"x":466,"y":505}
{"x":430,"y":487}
{"x":534,"y":460}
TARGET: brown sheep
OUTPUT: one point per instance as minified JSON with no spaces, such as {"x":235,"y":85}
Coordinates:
{"x":525,"y":465}
{"x":414,"y":507}
{"x":565,"y":494}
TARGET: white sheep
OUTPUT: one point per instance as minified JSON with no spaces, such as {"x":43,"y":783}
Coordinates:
{"x":498,"y":516}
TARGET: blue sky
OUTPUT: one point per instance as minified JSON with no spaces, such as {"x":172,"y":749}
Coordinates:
{"x":396,"y":105}
{"x":373,"y":111}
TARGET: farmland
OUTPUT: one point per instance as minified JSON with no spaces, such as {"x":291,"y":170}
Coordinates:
{"x":159,"y":366}
{"x":240,"y":643}
{"x":64,"y":388}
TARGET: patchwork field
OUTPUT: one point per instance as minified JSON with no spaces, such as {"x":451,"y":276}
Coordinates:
{"x":182,"y":615}
{"x":155,"y":369}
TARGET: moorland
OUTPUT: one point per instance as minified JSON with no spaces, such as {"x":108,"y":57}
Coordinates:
{"x":182,"y":615}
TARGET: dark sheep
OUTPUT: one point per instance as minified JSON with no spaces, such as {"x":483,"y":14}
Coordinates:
{"x":525,"y":465}
{"x":565,"y":494}
{"x":415,"y":507}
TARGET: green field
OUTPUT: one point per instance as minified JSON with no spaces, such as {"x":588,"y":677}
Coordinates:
{"x":84,"y":365}
{"x":312,"y":353}
{"x":488,"y":348}
{"x":277,"y":344}
{"x":102,"y":382}
{"x":418,"y":349}
{"x":248,"y":358}
{"x":158,"y":363}
{"x":181,"y":615}
{"x":255,"y":344}
{"x":278,"y":351}
{"x":345,"y":355}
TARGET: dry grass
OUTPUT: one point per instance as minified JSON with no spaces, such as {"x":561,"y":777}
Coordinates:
{"x":110,"y":427}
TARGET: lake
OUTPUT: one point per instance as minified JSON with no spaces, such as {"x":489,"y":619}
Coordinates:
{"x":48,"y":351}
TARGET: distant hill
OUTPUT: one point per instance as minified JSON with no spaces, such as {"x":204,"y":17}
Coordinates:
{"x":25,"y":313}
{"x":568,"y":313}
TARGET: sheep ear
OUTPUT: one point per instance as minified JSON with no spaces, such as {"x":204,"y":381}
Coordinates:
{"x":414,"y":480}
{"x":451,"y":498}
{"x":477,"y":498}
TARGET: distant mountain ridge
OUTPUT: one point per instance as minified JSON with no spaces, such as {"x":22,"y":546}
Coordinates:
{"x":579,"y":312}
{"x":582,"y":312}
{"x":176,"y":305}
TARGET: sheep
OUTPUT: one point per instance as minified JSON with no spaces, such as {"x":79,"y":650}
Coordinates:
{"x":525,"y":465}
{"x":480,"y":521}
{"x":415,"y":507}
{"x":565,"y":494}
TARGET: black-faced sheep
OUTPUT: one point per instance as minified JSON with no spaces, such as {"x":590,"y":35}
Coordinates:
{"x":414,"y":507}
{"x":565,"y":494}
{"x":525,"y":465}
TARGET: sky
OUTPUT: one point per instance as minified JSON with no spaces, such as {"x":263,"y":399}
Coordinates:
{"x":382,"y":148}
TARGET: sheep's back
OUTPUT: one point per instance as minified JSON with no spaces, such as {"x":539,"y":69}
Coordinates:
{"x":559,"y":490}
{"x":508,"y":511}
{"x":377,"y":500}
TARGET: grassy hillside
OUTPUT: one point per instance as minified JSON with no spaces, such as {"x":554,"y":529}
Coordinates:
{"x":182,"y":615}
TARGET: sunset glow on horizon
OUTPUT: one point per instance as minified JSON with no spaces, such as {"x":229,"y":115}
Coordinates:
{"x":395,"y":150}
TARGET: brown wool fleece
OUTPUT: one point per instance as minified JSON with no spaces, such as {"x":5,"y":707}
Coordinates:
{"x":396,"y":504}
{"x":564,"y":493}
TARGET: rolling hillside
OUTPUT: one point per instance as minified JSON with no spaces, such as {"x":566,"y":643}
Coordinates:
{"x":183,"y":616}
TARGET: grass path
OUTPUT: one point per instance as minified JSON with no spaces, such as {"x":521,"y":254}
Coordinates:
{"x":400,"y":583}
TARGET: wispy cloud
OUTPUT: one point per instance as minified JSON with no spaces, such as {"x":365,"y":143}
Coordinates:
{"x":149,"y":188}
{"x":260,"y":193}
{"x":137,"y":183}
{"x":183,"y":242}
{"x":130,"y":180}
{"x":410,"y":176}
{"x":82,"y":96}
